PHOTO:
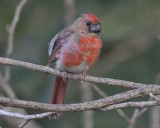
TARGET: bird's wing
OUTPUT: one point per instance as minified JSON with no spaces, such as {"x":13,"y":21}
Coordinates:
{"x":56,"y":44}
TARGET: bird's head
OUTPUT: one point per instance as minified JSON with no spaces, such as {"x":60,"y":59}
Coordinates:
{"x":88,"y":23}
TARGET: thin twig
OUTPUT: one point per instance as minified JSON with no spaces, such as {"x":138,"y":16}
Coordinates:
{"x":142,"y":111}
{"x":103,"y":94}
{"x":99,"y":91}
{"x":4,"y":79}
{"x":11,"y":31}
{"x":132,"y":122}
{"x":141,"y":104}
{"x":24,"y":123}
{"x":11,"y":28}
{"x":27,"y":118}
{"x":10,"y":93}
{"x":6,"y":87}
{"x":137,"y":113}
{"x":154,"y":97}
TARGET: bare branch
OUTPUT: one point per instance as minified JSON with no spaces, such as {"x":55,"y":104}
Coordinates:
{"x":154,"y":97}
{"x":141,"y":104}
{"x":101,"y":104}
{"x":24,"y":123}
{"x":132,"y":122}
{"x":12,"y":26}
{"x":105,"y":104}
{"x":4,"y":79}
{"x":27,"y":118}
{"x":142,"y":111}
{"x":46,"y":69}
{"x":10,"y":93}
{"x":87,"y":105}
{"x":6,"y":87}
{"x":99,"y":91}
{"x":103,"y":94}
{"x":11,"y":30}
{"x":135,"y":115}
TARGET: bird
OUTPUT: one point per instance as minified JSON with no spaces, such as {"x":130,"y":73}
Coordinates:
{"x":75,"y":49}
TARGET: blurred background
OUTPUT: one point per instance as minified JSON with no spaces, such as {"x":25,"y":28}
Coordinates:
{"x":131,"y":49}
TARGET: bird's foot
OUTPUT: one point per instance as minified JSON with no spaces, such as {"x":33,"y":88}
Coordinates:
{"x":65,"y":76}
{"x":83,"y":77}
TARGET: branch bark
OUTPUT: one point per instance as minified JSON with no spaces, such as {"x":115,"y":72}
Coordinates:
{"x":105,"y":104}
{"x":26,"y":118}
{"x":103,"y":94}
{"x":46,"y":69}
{"x":12,"y":26}
{"x":97,"y":104}
{"x":141,"y":104}
{"x":11,"y":31}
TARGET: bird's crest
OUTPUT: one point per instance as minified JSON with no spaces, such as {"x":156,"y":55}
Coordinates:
{"x":92,"y":17}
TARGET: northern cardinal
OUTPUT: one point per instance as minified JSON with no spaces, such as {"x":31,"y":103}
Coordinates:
{"x":74,"y":49}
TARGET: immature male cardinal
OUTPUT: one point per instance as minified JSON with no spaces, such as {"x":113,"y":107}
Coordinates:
{"x":74,"y":49}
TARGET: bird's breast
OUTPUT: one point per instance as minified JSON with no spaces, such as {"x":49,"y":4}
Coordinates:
{"x":90,"y":47}
{"x":82,"y":54}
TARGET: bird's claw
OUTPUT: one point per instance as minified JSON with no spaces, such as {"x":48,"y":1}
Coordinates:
{"x":83,"y":77}
{"x":65,"y":76}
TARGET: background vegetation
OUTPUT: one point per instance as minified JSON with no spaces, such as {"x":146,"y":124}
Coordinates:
{"x":130,"y":51}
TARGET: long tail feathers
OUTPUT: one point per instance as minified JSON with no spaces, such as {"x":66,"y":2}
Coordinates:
{"x":59,"y":90}
{"x":58,"y":94}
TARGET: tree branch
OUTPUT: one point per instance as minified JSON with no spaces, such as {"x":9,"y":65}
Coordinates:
{"x":27,"y":118}
{"x":46,"y":69}
{"x":141,"y":104}
{"x":11,"y":30}
{"x":105,"y":104}
{"x":12,"y":26}
{"x":6,"y":87}
{"x":97,"y":104}
{"x":103,"y":94}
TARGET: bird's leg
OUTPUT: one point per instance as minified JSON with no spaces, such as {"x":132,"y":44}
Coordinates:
{"x":83,"y":77}
{"x":65,"y":76}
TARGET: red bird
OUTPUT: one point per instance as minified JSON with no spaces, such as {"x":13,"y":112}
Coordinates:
{"x":74,"y":49}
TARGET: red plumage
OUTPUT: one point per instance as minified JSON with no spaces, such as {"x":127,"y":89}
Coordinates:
{"x":74,"y":49}
{"x":59,"y":90}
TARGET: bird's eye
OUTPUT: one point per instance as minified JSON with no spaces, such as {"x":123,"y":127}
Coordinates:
{"x":88,"y":23}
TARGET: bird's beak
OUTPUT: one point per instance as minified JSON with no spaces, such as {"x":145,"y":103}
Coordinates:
{"x":96,"y":28}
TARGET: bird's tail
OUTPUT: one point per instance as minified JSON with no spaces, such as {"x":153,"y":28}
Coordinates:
{"x":59,"y":90}
{"x":58,"y":94}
